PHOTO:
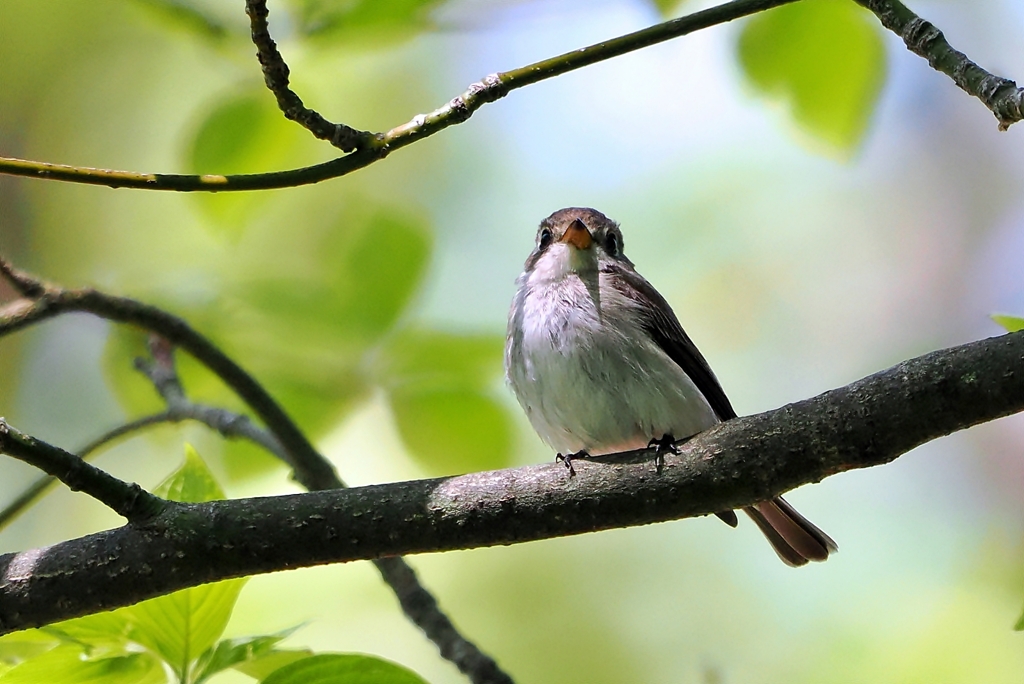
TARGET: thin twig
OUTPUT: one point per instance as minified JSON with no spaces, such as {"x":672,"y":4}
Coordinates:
{"x":23,"y":283}
{"x":275,"y":75}
{"x":311,"y":469}
{"x":39,"y":487}
{"x":376,"y":147}
{"x":1000,"y":95}
{"x":126,"y":499}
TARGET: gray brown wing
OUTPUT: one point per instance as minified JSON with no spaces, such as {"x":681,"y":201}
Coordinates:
{"x":662,"y":325}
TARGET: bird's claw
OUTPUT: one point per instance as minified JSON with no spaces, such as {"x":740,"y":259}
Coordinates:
{"x":567,"y":459}
{"x":666,"y":444}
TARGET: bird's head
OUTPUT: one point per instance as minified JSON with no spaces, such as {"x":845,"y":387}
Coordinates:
{"x":574,"y":241}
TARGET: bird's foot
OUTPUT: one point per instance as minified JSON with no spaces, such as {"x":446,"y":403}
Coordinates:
{"x":567,"y":459}
{"x":665,"y":445}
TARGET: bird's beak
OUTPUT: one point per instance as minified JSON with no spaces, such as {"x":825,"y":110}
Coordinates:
{"x":577,"y":235}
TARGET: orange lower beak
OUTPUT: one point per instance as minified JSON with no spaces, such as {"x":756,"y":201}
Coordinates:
{"x":577,"y":235}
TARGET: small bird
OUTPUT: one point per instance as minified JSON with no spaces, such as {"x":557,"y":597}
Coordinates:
{"x":600,"y":363}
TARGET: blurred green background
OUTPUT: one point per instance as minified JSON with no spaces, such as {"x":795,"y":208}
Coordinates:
{"x":806,"y":235}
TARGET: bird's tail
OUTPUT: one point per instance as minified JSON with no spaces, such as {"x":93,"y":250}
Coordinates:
{"x":795,"y":538}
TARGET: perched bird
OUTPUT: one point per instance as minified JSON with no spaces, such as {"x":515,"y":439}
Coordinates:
{"x":600,"y":363}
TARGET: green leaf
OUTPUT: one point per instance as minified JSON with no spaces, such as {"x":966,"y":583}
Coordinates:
{"x":242,"y":133}
{"x":1019,"y":626}
{"x":365,"y":272}
{"x":1011,"y":323}
{"x":308,"y":334}
{"x":453,"y":430}
{"x":237,"y":652}
{"x":368,"y":21}
{"x":261,"y":667}
{"x":666,"y":8}
{"x":381,"y":265}
{"x":11,"y":361}
{"x":331,"y":668}
{"x":179,"y":627}
{"x":66,"y":665}
{"x":230,"y":138}
{"x":438,"y":387}
{"x":192,"y":482}
{"x":825,"y":59}
{"x":132,"y":389}
{"x":136,"y":393}
{"x":188,"y":17}
{"x":243,"y":460}
{"x":19,"y":646}
{"x":103,"y":632}
{"x":440,"y":359}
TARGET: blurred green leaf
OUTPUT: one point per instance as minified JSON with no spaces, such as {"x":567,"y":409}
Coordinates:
{"x":365,"y":272}
{"x":331,"y":668}
{"x":188,"y":16}
{"x":825,"y":58}
{"x":261,"y":667}
{"x":19,"y":646}
{"x":192,"y":482}
{"x":418,"y":357}
{"x":232,"y":137}
{"x":379,"y":268}
{"x":1011,"y":323}
{"x":666,"y":7}
{"x":452,"y":430}
{"x":438,"y":387}
{"x":238,"y":652}
{"x":242,"y":460}
{"x":1019,"y":626}
{"x":10,"y":366}
{"x":242,"y":133}
{"x":437,"y":384}
{"x":66,"y":665}
{"x":179,"y":627}
{"x":135,"y":393}
{"x":308,"y":333}
{"x":369,"y":21}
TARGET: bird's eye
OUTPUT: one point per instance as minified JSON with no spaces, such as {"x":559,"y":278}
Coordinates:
{"x":611,"y":244}
{"x":545,"y":238}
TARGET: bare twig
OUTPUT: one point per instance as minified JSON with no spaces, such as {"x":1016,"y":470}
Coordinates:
{"x":35,"y":490}
{"x":999,"y":94}
{"x":275,"y":74}
{"x":128,"y":500}
{"x":289,"y":443}
{"x":23,"y":283}
{"x":375,"y":147}
{"x":311,"y":469}
{"x":869,"y":422}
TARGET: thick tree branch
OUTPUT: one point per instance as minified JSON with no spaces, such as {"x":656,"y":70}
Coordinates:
{"x":372,"y":148}
{"x":867,"y":423}
{"x":128,"y":500}
{"x":43,"y":301}
{"x":1000,"y":95}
